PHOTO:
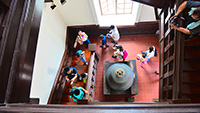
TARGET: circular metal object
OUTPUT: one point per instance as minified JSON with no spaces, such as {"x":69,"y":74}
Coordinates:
{"x":120,"y":76}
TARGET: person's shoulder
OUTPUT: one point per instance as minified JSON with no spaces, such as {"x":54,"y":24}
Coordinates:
{"x":191,"y":4}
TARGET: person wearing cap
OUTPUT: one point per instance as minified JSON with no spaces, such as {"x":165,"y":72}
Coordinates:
{"x":114,"y":34}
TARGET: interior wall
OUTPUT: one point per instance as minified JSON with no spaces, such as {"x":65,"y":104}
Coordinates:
{"x":50,"y":49}
{"x":76,"y":12}
{"x":147,"y":14}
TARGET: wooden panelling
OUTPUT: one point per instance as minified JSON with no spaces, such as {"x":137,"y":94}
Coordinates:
{"x":18,"y":46}
{"x":8,"y":44}
{"x":59,"y":82}
{"x":191,"y":64}
{"x":192,"y":88}
{"x":192,"y":52}
{"x":191,"y":77}
{"x":22,"y":65}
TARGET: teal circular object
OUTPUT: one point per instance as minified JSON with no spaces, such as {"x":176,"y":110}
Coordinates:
{"x":120,"y":76}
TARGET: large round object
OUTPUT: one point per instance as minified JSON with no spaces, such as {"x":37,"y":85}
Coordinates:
{"x":120,"y":76}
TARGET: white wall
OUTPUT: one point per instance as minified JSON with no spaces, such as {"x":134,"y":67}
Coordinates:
{"x":50,"y":49}
{"x":146,"y":14}
{"x":76,"y":12}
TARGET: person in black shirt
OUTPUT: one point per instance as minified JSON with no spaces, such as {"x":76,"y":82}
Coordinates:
{"x":192,"y":20}
{"x":71,"y":74}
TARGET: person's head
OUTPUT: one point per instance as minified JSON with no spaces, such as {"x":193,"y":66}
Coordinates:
{"x":111,"y":27}
{"x":144,"y":55}
{"x":150,"y":49}
{"x":101,"y":36}
{"x":121,"y":48}
{"x":77,"y":55}
{"x":196,"y":14}
{"x":83,"y":75}
{"x":76,"y":92}
{"x":79,"y":32}
{"x":67,"y":69}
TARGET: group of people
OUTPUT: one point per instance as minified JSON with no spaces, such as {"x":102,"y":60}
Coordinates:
{"x":71,"y":76}
{"x":145,"y":56}
{"x":118,"y":49}
{"x":192,"y":27}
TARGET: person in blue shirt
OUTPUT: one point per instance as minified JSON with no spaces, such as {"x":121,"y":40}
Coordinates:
{"x":80,"y":54}
{"x":192,"y":19}
{"x":71,"y":74}
{"x":103,"y":41}
{"x":78,"y":93}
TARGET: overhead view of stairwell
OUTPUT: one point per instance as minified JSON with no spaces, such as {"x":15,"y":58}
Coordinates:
{"x":38,"y":40}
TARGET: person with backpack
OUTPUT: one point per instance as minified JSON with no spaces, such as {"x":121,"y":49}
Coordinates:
{"x":80,"y":54}
{"x":151,"y":52}
{"x":78,"y":93}
{"x":192,"y":19}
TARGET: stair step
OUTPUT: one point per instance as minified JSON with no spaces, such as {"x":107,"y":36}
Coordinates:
{"x":195,"y":98}
{"x":191,"y":65}
{"x":193,"y":41}
{"x":191,"y":88}
{"x":191,"y":77}
{"x":192,"y":52}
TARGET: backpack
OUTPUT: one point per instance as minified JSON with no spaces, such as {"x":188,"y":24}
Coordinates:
{"x":125,"y":54}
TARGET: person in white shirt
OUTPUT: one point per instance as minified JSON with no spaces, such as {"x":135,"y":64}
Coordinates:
{"x":150,"y":53}
{"x":118,"y":51}
{"x":114,"y":34}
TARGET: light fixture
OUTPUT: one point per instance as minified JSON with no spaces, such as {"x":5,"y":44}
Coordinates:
{"x":53,"y":6}
{"x":63,"y":2}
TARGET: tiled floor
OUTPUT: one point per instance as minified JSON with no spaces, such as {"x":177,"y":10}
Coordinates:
{"x":148,"y":81}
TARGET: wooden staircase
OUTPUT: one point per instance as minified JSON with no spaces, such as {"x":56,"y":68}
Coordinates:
{"x":179,"y":61}
{"x":191,"y":70}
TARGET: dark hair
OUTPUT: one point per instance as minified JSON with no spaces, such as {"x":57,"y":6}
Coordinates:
{"x":66,"y":69}
{"x":101,"y":36}
{"x":76,"y":92}
{"x":144,"y":55}
{"x":78,"y":30}
{"x":197,"y":12}
{"x":121,"y":48}
{"x":83,"y":75}
{"x":112,"y":26}
{"x":150,"y":49}
{"x":77,"y":55}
